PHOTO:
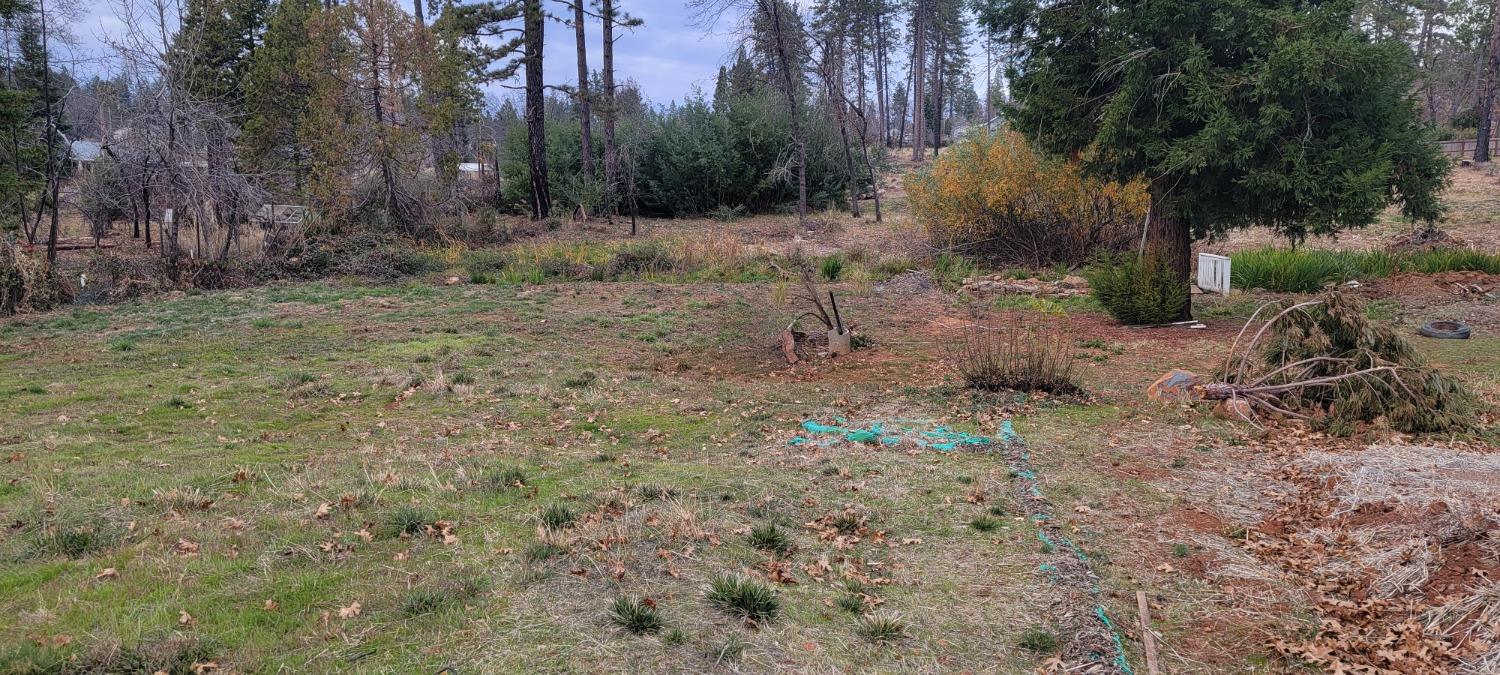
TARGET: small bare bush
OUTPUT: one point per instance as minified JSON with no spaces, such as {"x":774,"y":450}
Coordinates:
{"x":1011,"y":354}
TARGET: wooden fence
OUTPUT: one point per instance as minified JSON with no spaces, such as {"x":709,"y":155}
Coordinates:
{"x":1463,"y":148}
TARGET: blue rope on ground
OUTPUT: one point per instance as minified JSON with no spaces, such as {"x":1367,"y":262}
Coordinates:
{"x":1010,"y":437}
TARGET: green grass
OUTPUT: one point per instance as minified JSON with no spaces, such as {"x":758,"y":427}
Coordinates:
{"x":832,"y":267}
{"x":1039,"y":640}
{"x":984,"y":524}
{"x":123,"y":344}
{"x":75,"y":541}
{"x":772,"y":539}
{"x":728,"y":651}
{"x":881,"y":628}
{"x":195,"y":468}
{"x":408,"y":520}
{"x":668,"y":261}
{"x":421,"y":601}
{"x":557,"y":516}
{"x":949,"y":270}
{"x":636,"y":615}
{"x":744,"y":597}
{"x":1310,"y":270}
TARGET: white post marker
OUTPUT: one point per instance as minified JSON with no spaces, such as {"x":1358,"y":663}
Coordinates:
{"x":1213,"y":273}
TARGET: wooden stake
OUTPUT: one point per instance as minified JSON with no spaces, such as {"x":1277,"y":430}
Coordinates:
{"x":838,"y":321}
{"x":1147,"y":638}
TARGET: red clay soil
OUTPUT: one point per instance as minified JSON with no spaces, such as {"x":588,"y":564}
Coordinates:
{"x":1464,"y":565}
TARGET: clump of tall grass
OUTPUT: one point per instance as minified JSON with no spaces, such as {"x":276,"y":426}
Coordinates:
{"x":744,"y":597}
{"x":637,"y":615}
{"x":950,"y":270}
{"x":771,"y":538}
{"x":1310,"y":270}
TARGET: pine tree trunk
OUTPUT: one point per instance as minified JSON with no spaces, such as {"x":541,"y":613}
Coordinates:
{"x":536,"y":121}
{"x":841,"y":117}
{"x":789,"y":86}
{"x":436,"y":144}
{"x":1424,"y":57}
{"x":1487,"y":87}
{"x":585,"y":123}
{"x":387,"y":172}
{"x":937,"y":91}
{"x":859,"y":67}
{"x":1169,"y":239}
{"x":919,"y":77}
{"x":880,"y":81}
{"x":989,"y":78}
{"x":611,"y":153}
{"x":901,"y":120}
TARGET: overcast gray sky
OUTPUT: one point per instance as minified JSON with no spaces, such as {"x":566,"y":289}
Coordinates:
{"x":668,"y":57}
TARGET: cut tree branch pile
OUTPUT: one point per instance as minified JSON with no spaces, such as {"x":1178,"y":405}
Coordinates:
{"x":1326,"y":362}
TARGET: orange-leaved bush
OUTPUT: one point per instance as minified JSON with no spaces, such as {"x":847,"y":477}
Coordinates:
{"x":994,"y":196}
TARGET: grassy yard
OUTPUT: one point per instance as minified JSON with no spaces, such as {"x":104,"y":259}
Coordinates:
{"x":335,"y":477}
{"x":581,"y":476}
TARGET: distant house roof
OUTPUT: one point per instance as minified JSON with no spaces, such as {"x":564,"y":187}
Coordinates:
{"x":85,"y":151}
{"x":470,"y":167}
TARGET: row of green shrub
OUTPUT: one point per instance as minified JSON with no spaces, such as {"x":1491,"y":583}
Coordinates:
{"x":697,"y":157}
{"x":1309,"y":270}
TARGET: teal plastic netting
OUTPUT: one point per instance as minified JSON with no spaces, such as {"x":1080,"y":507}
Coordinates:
{"x":922,"y":434}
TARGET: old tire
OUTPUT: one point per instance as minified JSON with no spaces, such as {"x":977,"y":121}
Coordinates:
{"x":1445,"y":330}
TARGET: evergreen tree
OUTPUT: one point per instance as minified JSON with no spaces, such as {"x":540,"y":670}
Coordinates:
{"x":609,"y":109}
{"x":22,"y":151}
{"x":215,"y":45}
{"x":39,"y":152}
{"x":1279,"y":113}
{"x":461,"y":61}
{"x":277,"y":96}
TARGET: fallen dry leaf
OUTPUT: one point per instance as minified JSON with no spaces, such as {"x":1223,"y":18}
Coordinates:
{"x":351,"y":611}
{"x":183,"y":618}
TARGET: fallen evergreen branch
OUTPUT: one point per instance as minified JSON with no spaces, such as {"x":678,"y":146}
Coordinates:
{"x":1327,"y":362}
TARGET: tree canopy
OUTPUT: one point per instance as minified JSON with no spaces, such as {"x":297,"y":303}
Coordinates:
{"x":1282,"y":113}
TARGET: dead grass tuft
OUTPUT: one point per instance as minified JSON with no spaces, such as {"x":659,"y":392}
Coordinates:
{"x":181,"y":500}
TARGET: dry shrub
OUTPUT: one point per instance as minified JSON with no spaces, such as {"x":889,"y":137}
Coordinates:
{"x":28,"y":283}
{"x":1011,"y":354}
{"x":114,"y":278}
{"x":995,"y":197}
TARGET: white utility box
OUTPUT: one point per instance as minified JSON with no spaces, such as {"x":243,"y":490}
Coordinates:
{"x":1213,"y":273}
